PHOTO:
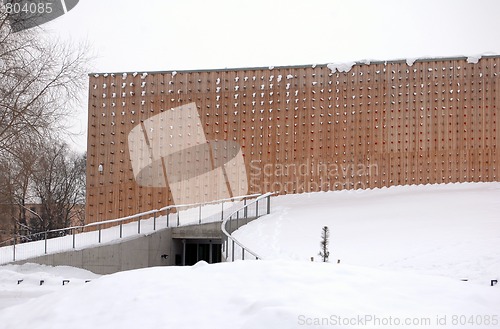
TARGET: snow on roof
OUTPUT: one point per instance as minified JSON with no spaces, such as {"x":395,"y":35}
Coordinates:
{"x":334,"y":66}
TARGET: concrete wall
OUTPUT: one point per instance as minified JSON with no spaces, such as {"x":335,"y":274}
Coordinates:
{"x":142,"y":251}
{"x":132,"y":253}
{"x":204,"y":231}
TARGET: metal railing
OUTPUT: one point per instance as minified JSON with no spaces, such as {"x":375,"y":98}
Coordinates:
{"x":232,"y":248}
{"x":71,"y":238}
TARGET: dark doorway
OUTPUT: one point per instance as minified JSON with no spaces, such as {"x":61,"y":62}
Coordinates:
{"x":195,"y":250}
{"x":191,"y":254}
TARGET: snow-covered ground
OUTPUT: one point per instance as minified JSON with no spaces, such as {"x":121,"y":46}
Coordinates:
{"x":20,"y":283}
{"x":404,"y":252}
{"x":451,"y":230}
{"x":256,"y":294}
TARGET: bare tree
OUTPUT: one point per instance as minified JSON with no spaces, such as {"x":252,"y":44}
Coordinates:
{"x":59,"y":185}
{"x":40,"y":81}
{"x":7,"y":211}
{"x":52,"y":177}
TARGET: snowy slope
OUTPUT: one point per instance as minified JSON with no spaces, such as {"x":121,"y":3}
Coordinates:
{"x":253,"y":294}
{"x":19,"y":283}
{"x":451,"y":230}
{"x":404,"y":252}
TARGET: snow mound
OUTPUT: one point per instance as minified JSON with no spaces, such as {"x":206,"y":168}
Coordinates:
{"x":30,"y":269}
{"x":341,"y":67}
{"x":473,"y":59}
{"x":410,"y":61}
{"x":250,"y":294}
{"x":19,"y":283}
{"x":201,"y":263}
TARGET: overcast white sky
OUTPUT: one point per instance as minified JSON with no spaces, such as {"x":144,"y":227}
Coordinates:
{"x":149,"y":35}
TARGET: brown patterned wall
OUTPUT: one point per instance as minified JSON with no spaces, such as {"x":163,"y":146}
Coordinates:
{"x":305,"y":128}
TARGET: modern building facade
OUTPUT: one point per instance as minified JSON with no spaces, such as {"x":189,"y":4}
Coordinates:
{"x":162,"y":138}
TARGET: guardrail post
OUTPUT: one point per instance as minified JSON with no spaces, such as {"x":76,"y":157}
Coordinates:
{"x":121,"y":230}
{"x":224,"y":250}
{"x":73,"y":231}
{"x":257,"y":208}
{"x":232,"y":250}
{"x":99,"y":233}
{"x":242,"y":253}
{"x":14,"y":250}
{"x":45,"y":242}
{"x":178,"y":217}
{"x":268,"y":204}
{"x":154,"y":221}
{"x":199,"y":216}
{"x":245,"y":208}
{"x":139,"y":226}
{"x":168,"y":215}
{"x":222,"y":211}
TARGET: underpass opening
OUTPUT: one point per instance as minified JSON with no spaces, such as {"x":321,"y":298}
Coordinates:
{"x":191,"y":251}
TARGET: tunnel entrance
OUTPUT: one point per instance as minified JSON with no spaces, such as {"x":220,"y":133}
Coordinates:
{"x":192,"y":251}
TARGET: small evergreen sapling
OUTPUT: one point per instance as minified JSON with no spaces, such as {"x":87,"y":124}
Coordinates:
{"x":325,"y":239}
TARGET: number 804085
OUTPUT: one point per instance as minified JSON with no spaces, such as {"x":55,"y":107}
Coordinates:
{"x":28,"y":8}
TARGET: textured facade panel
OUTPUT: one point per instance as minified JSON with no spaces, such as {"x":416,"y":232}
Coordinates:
{"x":175,"y":137}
